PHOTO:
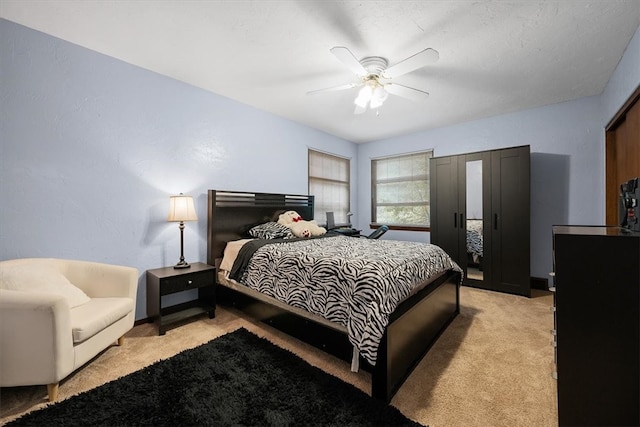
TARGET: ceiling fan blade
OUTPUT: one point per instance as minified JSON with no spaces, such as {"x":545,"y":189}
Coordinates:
{"x":346,"y":57}
{"x":334,"y":88}
{"x":419,"y":60}
{"x":406,"y":92}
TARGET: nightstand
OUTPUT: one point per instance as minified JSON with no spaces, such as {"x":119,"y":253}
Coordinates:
{"x":168,"y":280}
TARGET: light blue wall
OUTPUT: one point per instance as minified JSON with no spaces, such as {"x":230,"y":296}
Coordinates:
{"x":91,"y":149}
{"x":566,"y":164}
{"x":567,"y":160}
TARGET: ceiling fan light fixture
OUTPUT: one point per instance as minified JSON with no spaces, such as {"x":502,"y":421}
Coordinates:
{"x":379,"y":96}
{"x":364,"y":96}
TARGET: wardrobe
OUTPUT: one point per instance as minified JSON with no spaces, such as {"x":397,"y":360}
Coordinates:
{"x":480,"y":216}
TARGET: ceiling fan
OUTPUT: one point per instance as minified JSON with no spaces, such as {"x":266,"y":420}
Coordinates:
{"x":376,"y":77}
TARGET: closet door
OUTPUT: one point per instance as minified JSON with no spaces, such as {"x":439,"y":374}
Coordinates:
{"x":447,"y":207}
{"x":510,"y":222}
{"x":477,"y":188}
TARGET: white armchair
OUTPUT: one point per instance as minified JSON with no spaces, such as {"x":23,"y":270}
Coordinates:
{"x":56,"y":315}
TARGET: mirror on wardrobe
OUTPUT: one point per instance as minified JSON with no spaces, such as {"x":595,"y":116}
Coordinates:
{"x":474,"y":220}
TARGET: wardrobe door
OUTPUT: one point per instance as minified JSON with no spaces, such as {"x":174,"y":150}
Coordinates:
{"x":510,"y":223}
{"x":447,"y":207}
{"x":477,"y":187}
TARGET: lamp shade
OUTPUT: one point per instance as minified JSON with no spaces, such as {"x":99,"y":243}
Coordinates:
{"x":181,"y":208}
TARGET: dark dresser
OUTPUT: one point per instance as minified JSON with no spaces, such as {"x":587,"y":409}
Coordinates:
{"x":597,"y":325}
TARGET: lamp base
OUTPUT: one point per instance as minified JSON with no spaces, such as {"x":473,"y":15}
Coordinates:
{"x":182,"y":264}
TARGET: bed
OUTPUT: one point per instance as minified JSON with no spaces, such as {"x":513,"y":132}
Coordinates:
{"x":408,"y":332}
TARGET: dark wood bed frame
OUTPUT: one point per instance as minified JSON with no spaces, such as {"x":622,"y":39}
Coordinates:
{"x":413,"y":328}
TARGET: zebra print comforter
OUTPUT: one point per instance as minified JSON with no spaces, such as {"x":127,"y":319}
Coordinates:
{"x":355,"y":282}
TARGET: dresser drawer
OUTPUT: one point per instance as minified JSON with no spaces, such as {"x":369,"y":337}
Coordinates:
{"x":171,"y":285}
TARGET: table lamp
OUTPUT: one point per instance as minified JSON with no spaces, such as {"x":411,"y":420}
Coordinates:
{"x":181,"y":209}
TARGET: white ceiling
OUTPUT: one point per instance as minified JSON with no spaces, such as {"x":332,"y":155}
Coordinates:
{"x":495,"y":56}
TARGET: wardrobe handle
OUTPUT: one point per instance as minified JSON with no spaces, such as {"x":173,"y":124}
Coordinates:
{"x":455,"y":220}
{"x":462,"y":221}
{"x":495,"y":221}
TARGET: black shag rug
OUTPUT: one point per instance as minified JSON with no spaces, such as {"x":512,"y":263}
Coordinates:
{"x":238,"y":379}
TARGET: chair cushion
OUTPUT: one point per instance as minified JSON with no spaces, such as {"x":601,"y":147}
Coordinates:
{"x":41,"y":276}
{"x":99,"y":313}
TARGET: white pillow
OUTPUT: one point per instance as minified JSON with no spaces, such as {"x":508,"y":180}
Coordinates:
{"x":42,"y":277}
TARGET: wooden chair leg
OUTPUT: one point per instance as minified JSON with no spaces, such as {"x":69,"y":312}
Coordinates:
{"x":52,"y":391}
{"x":121,"y":341}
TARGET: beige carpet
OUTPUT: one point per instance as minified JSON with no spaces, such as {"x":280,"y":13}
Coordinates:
{"x":491,"y":367}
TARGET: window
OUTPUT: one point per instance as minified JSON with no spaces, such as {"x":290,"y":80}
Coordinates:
{"x":400,"y":190}
{"x":329,"y":182}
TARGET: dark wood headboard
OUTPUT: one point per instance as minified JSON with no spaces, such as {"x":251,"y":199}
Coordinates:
{"x":230,"y":215}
